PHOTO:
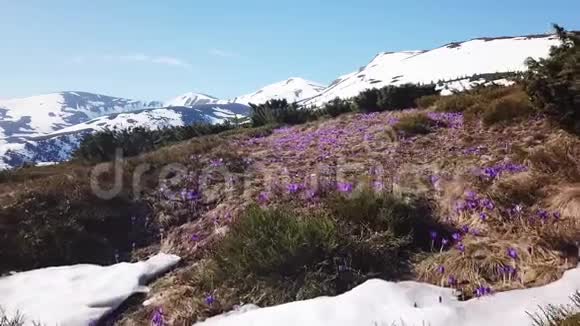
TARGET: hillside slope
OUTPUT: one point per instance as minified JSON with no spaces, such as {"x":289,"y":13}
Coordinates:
{"x":454,"y":65}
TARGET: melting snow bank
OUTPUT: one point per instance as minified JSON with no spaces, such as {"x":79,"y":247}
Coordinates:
{"x":78,"y":295}
{"x":381,"y":303}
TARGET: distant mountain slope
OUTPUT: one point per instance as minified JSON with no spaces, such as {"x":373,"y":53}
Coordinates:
{"x":191,"y":99}
{"x":59,"y":145}
{"x":293,"y":90}
{"x":44,"y":114}
{"x":455,"y":62}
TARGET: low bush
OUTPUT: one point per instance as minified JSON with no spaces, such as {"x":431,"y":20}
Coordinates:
{"x":392,"y":97}
{"x":337,"y":107}
{"x":506,"y":109}
{"x":428,"y":101}
{"x":414,"y":124}
{"x":280,"y":112}
{"x":102,"y":146}
{"x":276,"y":241}
{"x":456,"y":102}
{"x":553,"y":83}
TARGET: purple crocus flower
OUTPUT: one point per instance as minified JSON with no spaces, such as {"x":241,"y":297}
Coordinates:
{"x":344,"y":187}
{"x":433,"y":235}
{"x":293,"y":188}
{"x":461,"y":247}
{"x":456,"y":236}
{"x":483,"y":216}
{"x":465,"y":229}
{"x":452,"y":281}
{"x":487,"y":203}
{"x":209,"y":300}
{"x":263,"y":198}
{"x":217,"y":163}
{"x":482,"y":291}
{"x":444,"y":241}
{"x":542,"y":214}
{"x":194,"y":238}
{"x":512,"y":253}
{"x":158,"y":319}
{"x":441,"y":269}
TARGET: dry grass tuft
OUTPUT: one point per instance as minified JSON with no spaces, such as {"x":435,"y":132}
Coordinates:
{"x":566,"y":200}
{"x":524,"y":188}
{"x":558,"y":157}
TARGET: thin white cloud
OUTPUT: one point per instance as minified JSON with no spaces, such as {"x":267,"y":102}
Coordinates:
{"x":163,"y":60}
{"x":222,"y":53}
{"x":138,"y":57}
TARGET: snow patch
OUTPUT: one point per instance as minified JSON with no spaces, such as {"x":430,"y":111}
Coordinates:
{"x":78,"y":295}
{"x":379,"y":302}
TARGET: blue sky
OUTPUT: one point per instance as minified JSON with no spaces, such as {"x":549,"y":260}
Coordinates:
{"x":154,"y":49}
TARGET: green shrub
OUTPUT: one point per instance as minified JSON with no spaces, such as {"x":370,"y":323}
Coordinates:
{"x":280,"y":112}
{"x":553,"y":83}
{"x":276,"y":241}
{"x":408,"y":219}
{"x":414,"y":124}
{"x":392,"y":97}
{"x":507,"y":109}
{"x":403,"y":97}
{"x":337,"y":107}
{"x":366,"y":235}
{"x":101,"y":146}
{"x":367,"y":100}
{"x":427,"y":101}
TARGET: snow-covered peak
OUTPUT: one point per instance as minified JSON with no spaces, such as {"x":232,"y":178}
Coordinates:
{"x":455,"y":63}
{"x":293,"y":90}
{"x":191,"y":99}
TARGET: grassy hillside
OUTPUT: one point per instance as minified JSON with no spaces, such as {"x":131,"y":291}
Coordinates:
{"x":479,"y":191}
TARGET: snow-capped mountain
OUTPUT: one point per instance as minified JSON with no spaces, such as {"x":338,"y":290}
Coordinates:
{"x":59,"y":145}
{"x":454,"y":64}
{"x":293,"y":90}
{"x":44,"y":114}
{"x":191,"y":99}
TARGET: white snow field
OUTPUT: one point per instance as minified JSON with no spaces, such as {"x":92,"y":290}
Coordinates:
{"x":452,"y":61}
{"x":382,"y":303}
{"x":77,"y":295}
{"x":191,"y":99}
{"x":293,"y":89}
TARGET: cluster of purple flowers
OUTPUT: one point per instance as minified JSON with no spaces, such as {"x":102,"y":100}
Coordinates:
{"x":493,"y":172}
{"x":507,"y":271}
{"x":481,"y":291}
{"x":475,"y":203}
{"x":190,"y":195}
{"x":344,"y":187}
{"x":453,"y":120}
{"x":158,"y":318}
{"x":477,"y":150}
{"x":216,"y":163}
{"x":457,"y":237}
{"x":263,"y":198}
{"x":293,"y":188}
